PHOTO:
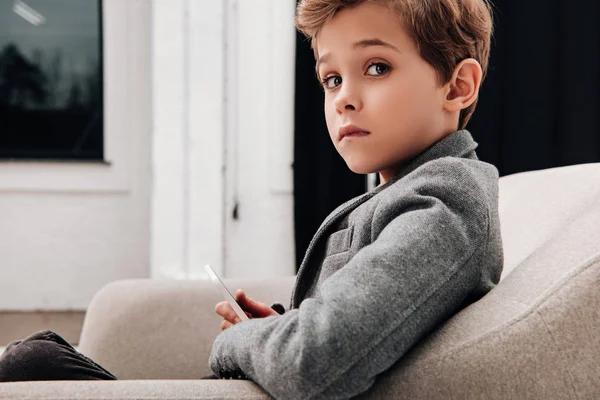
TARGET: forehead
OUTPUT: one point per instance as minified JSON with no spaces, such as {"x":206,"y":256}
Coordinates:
{"x":364,"y":22}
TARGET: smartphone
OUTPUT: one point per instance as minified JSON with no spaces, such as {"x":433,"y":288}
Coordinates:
{"x":225,"y":292}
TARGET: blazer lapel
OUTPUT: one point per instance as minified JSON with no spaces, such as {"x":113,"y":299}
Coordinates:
{"x":323,"y":231}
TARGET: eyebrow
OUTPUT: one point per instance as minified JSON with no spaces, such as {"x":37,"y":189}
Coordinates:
{"x":358,"y":45}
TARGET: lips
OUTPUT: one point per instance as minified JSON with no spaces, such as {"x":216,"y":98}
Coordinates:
{"x":351,"y":131}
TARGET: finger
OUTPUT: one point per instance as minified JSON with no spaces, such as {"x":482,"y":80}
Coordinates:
{"x":225,"y":324}
{"x":250,"y":307}
{"x":240,"y":298}
{"x":226,"y":311}
{"x":257,"y":309}
{"x":239,"y":294}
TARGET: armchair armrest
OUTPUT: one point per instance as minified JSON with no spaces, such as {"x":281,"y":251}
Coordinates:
{"x":222,"y":389}
{"x":158,"y":329}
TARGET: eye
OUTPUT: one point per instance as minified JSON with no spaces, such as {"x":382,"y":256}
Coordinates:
{"x":332,"y":82}
{"x":377,"y":69}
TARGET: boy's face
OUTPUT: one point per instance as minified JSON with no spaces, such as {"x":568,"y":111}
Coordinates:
{"x":376,"y":81}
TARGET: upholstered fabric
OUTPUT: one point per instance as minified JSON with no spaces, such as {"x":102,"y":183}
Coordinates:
{"x":133,"y":390}
{"x":535,"y":336}
{"x":535,"y":206}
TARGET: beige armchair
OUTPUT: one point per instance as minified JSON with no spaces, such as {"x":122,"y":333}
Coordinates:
{"x":535,"y":336}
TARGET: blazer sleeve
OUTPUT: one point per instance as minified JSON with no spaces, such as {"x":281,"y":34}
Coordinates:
{"x":418,"y":270}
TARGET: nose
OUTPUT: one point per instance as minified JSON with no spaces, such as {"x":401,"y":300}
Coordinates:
{"x":348,"y":98}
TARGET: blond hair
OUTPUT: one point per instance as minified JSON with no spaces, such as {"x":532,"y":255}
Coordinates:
{"x":446,"y":31}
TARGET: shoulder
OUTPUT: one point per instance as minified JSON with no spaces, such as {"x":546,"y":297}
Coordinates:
{"x":464,"y":187}
{"x":448,"y":177}
{"x":450,"y":173}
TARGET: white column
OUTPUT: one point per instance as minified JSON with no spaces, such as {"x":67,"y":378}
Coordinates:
{"x":206,"y":130}
{"x":223,"y":135}
{"x":188,"y":138}
{"x":261,"y":57}
{"x":169,"y":214}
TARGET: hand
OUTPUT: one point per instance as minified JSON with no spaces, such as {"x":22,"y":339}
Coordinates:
{"x":252,"y":308}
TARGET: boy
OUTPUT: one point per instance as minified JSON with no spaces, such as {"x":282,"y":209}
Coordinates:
{"x":400,"y":77}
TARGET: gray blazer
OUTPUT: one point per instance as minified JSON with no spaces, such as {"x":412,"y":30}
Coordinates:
{"x":382,"y":271}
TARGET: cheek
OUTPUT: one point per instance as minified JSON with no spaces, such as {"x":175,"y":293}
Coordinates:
{"x":406,"y":99}
{"x":426,"y":88}
{"x":391,"y":103}
{"x":330,"y":116}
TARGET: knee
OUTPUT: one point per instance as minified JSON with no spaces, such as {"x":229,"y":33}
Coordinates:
{"x":31,"y":358}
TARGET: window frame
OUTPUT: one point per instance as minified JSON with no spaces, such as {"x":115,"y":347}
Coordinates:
{"x":126,"y":48}
{"x":33,"y":155}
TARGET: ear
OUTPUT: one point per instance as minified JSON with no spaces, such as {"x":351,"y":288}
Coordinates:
{"x":463,"y":88}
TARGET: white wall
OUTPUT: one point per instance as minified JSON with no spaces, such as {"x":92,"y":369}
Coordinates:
{"x":223,"y":116}
{"x":67,"y":229}
{"x":198,"y":117}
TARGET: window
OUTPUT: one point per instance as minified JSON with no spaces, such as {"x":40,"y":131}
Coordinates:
{"x":51,"y":80}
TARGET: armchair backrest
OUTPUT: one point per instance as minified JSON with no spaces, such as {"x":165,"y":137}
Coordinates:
{"x":536,"y":334}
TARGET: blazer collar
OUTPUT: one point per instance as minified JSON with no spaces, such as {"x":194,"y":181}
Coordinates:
{"x":458,"y":144}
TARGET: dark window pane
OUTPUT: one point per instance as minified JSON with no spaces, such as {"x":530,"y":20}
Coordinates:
{"x":51,"y":100}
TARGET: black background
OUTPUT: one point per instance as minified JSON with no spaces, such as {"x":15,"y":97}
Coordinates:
{"x":538,"y":106}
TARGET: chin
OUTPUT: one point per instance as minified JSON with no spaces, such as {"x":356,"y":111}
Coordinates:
{"x":360,"y":168}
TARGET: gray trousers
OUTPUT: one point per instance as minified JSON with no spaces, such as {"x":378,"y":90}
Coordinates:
{"x":46,"y":356}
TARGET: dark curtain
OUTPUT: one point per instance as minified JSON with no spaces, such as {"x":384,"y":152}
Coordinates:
{"x":539,"y":104}
{"x":538,"y":107}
